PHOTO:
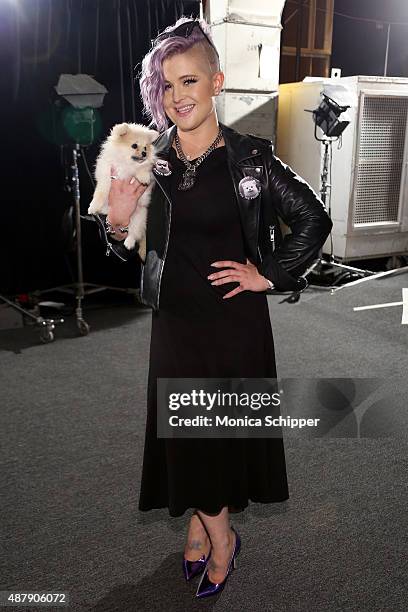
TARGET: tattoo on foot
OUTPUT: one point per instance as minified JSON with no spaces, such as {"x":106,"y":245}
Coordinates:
{"x":195,"y":544}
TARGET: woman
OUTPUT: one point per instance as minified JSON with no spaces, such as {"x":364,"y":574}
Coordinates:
{"x":204,"y":278}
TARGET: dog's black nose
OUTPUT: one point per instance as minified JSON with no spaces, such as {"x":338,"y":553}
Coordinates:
{"x":144,"y":153}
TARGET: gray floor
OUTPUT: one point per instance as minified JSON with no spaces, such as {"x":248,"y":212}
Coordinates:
{"x":72,"y":428}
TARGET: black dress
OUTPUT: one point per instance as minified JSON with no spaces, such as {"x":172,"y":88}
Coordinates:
{"x":196,"y":333}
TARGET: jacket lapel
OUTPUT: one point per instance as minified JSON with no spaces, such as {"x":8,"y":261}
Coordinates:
{"x":244,"y":159}
{"x":162,"y":146}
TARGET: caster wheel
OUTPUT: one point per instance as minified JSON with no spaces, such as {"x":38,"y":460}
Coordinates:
{"x":83,"y":327}
{"x":46,"y":335}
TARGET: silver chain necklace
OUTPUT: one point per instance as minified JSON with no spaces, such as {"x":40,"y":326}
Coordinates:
{"x":189,"y":175}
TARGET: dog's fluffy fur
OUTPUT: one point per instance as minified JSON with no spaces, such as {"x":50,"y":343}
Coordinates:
{"x":130,"y":151}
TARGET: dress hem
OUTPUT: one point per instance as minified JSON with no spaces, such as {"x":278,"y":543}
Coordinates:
{"x":232,"y":508}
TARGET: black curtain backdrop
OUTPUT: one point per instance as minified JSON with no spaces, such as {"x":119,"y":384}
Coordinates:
{"x":40,"y":40}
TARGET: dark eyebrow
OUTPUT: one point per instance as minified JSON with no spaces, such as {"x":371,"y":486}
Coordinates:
{"x":184,"y":77}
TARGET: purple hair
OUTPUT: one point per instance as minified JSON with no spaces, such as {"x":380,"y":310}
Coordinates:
{"x":151,"y":77}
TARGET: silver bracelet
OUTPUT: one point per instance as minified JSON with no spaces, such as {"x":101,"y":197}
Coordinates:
{"x":112,"y":230}
{"x":270,"y":283}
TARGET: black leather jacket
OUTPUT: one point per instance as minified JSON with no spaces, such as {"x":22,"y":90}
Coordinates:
{"x":283,"y":194}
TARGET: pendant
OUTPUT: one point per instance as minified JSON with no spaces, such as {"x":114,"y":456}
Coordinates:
{"x":188,"y":179}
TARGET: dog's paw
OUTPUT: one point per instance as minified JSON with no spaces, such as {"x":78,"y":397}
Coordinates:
{"x":96,"y":206}
{"x":144,"y":177}
{"x":130,"y":243}
{"x":93,"y":208}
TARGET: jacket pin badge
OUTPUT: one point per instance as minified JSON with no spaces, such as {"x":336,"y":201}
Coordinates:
{"x":249,"y":187}
{"x":162,"y":167}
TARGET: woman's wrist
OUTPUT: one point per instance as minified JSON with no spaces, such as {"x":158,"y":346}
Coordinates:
{"x":113,"y":226}
{"x":117,"y":235}
{"x":115,"y":230}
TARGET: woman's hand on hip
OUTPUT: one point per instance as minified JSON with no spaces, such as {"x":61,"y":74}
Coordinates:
{"x":123,"y":199}
{"x":246,"y":275}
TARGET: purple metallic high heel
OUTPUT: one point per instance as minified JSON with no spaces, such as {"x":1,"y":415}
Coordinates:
{"x":206,"y":588}
{"x":193,"y":568}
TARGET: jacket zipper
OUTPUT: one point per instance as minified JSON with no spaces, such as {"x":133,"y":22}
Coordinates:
{"x":272,"y":239}
{"x":272,"y":235}
{"x":165,"y":249}
{"x":109,"y":246}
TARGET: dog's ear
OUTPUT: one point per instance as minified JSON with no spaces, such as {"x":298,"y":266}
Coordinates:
{"x":119,"y":130}
{"x":153,"y":135}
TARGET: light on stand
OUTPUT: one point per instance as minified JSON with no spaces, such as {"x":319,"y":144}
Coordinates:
{"x":331,"y":117}
{"x":82,"y":126}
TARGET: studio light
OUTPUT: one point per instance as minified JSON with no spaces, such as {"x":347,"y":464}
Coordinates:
{"x":80,"y":119}
{"x":328,"y":117}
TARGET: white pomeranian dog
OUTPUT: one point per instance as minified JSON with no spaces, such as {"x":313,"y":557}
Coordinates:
{"x":130,"y":151}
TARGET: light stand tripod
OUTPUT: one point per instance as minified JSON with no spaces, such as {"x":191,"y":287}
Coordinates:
{"x":84,"y":95}
{"x":80,"y":288}
{"x":45,"y":324}
{"x":330,"y":116}
{"x":325,"y":186}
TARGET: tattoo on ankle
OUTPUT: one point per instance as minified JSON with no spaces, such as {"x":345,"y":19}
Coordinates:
{"x":195,"y":544}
